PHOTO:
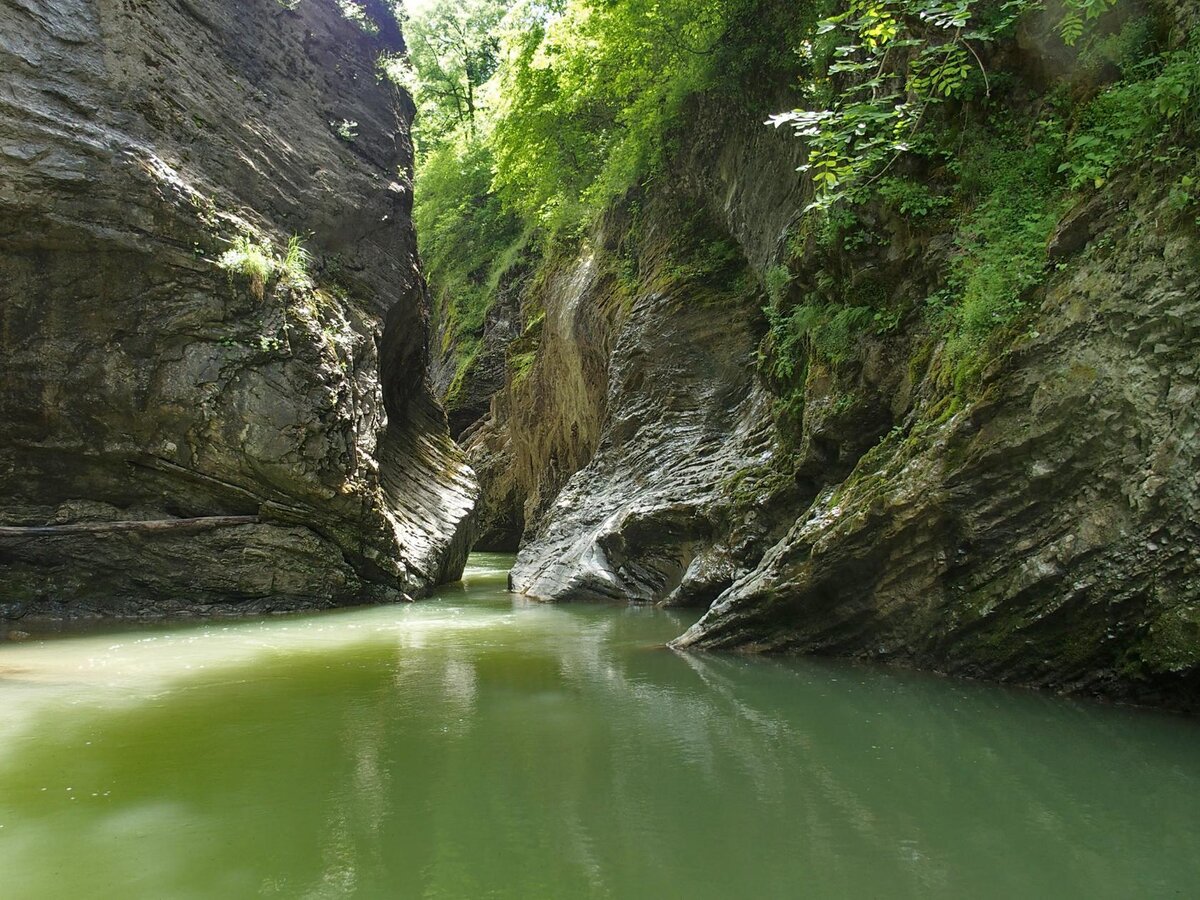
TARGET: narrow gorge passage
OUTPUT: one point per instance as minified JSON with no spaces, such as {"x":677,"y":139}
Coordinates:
{"x":934,"y":410}
{"x":599,"y":449}
{"x":859,"y":366}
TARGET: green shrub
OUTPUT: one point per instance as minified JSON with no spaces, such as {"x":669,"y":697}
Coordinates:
{"x":777,"y":280}
{"x":255,"y":258}
{"x":468,"y":240}
{"x":883,"y":67}
{"x":1162,"y":95}
{"x":1001,"y":242}
{"x":357,"y":13}
{"x":826,"y":330}
{"x":296,"y":261}
{"x":252,"y":258}
{"x":909,"y":197}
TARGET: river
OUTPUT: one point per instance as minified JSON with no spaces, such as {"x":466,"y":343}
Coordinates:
{"x":477,"y":745}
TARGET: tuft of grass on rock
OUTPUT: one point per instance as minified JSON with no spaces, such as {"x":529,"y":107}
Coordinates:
{"x":255,"y":258}
{"x":252,"y":258}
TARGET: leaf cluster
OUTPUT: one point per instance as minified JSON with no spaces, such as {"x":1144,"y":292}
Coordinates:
{"x":888,"y":64}
{"x":453,"y":51}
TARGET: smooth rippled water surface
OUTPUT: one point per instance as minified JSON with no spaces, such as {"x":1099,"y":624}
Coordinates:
{"x":478,"y":746}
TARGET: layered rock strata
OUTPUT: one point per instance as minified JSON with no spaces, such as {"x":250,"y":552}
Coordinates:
{"x":275,"y":428}
{"x":1047,"y":532}
{"x":1038,"y":529}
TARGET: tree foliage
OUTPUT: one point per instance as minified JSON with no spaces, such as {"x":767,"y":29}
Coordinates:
{"x":593,"y":91}
{"x":580,"y":104}
{"x":453,"y":50}
{"x":578,"y":100}
{"x":891,"y":61}
{"x":904,"y":105}
{"x":589,"y":93}
{"x":467,"y":236}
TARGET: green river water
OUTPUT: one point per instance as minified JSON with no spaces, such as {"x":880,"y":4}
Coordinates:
{"x":480,"y":746}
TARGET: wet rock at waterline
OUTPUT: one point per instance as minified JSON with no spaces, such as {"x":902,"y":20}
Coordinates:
{"x":1046,"y":533}
{"x":287,"y":411}
{"x":641,"y":521}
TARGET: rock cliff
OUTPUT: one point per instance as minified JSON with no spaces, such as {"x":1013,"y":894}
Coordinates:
{"x":1038,"y":527}
{"x":182,"y":435}
{"x":1044,"y":533}
{"x":672,"y":501}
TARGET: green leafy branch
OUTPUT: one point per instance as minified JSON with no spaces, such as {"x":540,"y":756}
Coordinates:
{"x":893,"y":60}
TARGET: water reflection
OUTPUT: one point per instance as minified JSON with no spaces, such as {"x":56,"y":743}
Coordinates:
{"x":475,"y":746}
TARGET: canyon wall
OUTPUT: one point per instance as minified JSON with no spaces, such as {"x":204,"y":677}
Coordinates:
{"x":1046,"y":531}
{"x":1036,"y":525}
{"x":181,"y":435}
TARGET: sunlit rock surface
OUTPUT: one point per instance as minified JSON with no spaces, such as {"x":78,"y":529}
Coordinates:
{"x":140,"y":381}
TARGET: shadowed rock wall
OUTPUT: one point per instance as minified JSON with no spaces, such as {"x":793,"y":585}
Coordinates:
{"x":1046,"y":533}
{"x":140,"y":381}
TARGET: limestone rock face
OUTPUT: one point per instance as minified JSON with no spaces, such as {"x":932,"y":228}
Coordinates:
{"x":467,"y":398}
{"x":1041,"y":529}
{"x":140,"y":381}
{"x":1046,"y":533}
{"x":679,"y":426}
{"x":546,"y":422}
{"x":671,"y":503}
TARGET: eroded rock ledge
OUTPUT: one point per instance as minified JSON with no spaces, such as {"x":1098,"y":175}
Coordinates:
{"x":141,"y":382}
{"x":1046,"y":533}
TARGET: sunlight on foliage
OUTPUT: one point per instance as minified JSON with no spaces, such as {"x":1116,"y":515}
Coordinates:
{"x":892,"y":62}
{"x":357,"y":13}
{"x":536,"y":117}
{"x":592,"y":92}
{"x":531,"y":119}
{"x":453,"y":52}
{"x":255,"y":258}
